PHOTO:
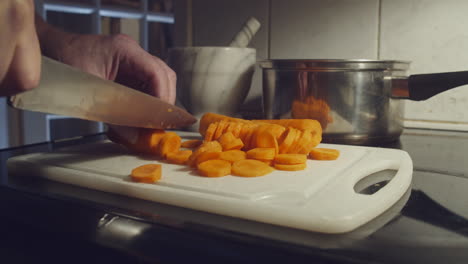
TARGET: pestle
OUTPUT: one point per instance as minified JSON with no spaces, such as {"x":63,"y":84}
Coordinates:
{"x":242,"y":39}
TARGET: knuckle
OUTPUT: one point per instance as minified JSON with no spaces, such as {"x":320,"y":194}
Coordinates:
{"x":29,"y":82}
{"x":122,"y":39}
{"x":172,"y":75}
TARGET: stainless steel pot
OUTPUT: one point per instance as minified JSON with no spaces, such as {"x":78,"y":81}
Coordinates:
{"x":356,"y":101}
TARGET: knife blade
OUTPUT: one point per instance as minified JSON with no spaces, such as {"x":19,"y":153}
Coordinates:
{"x":64,"y":90}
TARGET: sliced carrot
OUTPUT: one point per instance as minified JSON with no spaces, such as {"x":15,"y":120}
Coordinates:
{"x":306,"y":144}
{"x":236,"y":128}
{"x":266,"y":139}
{"x":179,"y":157}
{"x":154,"y":140}
{"x":245,"y":128}
{"x":209,"y":118}
{"x":290,"y":167}
{"x":324,"y":154}
{"x":140,"y":140}
{"x":290,"y":158}
{"x":232,"y":155}
{"x":147,"y":173}
{"x":289,"y":137}
{"x":170,"y":142}
{"x":261,"y":153}
{"x":301,"y":124}
{"x":207,"y":146}
{"x":316,"y":138}
{"x":220,"y":129}
{"x":250,"y":168}
{"x":210,"y":131}
{"x":296,"y":142}
{"x":230,"y":127}
{"x":267,"y":162}
{"x":276,"y":130}
{"x":192,"y":143}
{"x":225,"y":138}
{"x":214,"y":168}
{"x":248,"y":138}
{"x":253,"y":140}
{"x":235,"y":144}
{"x":208,"y":155}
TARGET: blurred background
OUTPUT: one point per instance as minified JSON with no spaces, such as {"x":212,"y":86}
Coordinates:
{"x":429,"y":33}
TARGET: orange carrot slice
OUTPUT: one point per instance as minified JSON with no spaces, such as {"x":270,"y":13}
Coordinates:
{"x":290,"y":167}
{"x":324,"y":154}
{"x":232,"y":145}
{"x":248,"y":138}
{"x":179,"y":157}
{"x":208,"y":155}
{"x":155,"y":138}
{"x":214,"y":168}
{"x":147,"y":173}
{"x":266,"y":139}
{"x":245,"y":128}
{"x":261,"y":153}
{"x":267,"y":162}
{"x":170,"y":142}
{"x":220,"y":129}
{"x":250,"y":168}
{"x":210,"y":131}
{"x":192,"y":143}
{"x":236,"y":129}
{"x":306,"y":143}
{"x":290,"y":158}
{"x":225,"y":138}
{"x":232,"y":155}
{"x":207,"y":146}
{"x":289,"y":137}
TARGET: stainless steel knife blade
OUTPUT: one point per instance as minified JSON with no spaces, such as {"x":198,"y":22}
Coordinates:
{"x":64,"y":90}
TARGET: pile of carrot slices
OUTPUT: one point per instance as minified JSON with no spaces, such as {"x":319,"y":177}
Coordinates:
{"x":232,"y":146}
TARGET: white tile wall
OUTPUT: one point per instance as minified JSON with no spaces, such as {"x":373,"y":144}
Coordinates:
{"x":316,"y":29}
{"x":434,"y":36}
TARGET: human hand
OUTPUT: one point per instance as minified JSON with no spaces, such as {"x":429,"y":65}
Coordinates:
{"x":118,"y":58}
{"x":20,"y":56}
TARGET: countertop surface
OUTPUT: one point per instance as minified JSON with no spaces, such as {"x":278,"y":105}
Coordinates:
{"x":428,"y":225}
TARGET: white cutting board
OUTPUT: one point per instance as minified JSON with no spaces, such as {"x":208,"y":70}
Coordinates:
{"x":320,"y":198}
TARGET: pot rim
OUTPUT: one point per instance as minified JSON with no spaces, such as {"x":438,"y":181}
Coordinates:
{"x":334,"y":64}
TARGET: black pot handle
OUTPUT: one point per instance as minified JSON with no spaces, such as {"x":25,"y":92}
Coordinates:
{"x":424,"y":86}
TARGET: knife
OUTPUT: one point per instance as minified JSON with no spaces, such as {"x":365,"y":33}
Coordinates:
{"x":64,"y":90}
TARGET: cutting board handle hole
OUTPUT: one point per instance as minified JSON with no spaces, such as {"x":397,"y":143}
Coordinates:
{"x":374,"y":182}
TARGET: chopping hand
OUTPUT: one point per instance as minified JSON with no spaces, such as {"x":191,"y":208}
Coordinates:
{"x":116,"y":58}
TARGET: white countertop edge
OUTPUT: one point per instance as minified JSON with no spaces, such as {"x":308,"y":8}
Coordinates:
{"x":435,"y":125}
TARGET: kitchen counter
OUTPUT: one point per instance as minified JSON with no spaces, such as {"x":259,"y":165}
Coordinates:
{"x":54,"y":222}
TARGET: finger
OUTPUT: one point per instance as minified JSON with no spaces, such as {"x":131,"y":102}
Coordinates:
{"x":20,"y":65}
{"x":159,"y":84}
{"x":7,"y":48}
{"x":172,"y":85}
{"x":142,"y":71}
{"x":166,"y":87}
{"x":25,"y":68}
